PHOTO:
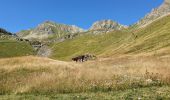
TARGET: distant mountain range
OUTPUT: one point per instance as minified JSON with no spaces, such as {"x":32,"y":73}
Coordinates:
{"x":150,"y":34}
{"x":50,"y":29}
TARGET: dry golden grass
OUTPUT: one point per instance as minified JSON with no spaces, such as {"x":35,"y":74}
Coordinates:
{"x":43,"y":75}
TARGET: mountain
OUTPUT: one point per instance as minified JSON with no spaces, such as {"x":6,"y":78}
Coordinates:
{"x":10,"y":47}
{"x":106,"y":26}
{"x":4,"y":32}
{"x":52,"y":30}
{"x":49,"y":29}
{"x":152,"y":39}
{"x":156,"y":13}
{"x":6,"y":35}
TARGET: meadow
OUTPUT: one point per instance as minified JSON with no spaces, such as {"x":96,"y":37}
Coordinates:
{"x":12,"y":48}
{"x":123,"y":77}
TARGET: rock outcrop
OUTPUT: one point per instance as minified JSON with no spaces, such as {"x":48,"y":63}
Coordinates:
{"x":156,"y":13}
{"x":106,"y":26}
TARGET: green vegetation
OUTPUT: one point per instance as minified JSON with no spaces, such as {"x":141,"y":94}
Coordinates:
{"x":124,"y":77}
{"x":149,"y":93}
{"x":151,"y":38}
{"x":11,"y":48}
{"x":88,"y":43}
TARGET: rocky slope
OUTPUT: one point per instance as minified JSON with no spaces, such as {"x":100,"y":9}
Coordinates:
{"x":156,"y":13}
{"x":106,"y":26}
{"x":49,"y":29}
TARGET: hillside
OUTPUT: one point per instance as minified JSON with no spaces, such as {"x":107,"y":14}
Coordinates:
{"x":151,"y":39}
{"x":10,"y":47}
{"x":88,"y":43}
{"x":13,"y":48}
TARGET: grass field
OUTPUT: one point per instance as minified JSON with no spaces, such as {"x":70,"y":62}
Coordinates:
{"x":148,"y":93}
{"x":124,"y":77}
{"x":11,"y":48}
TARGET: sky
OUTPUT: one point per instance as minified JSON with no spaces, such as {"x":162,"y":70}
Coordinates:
{"x":17,"y":15}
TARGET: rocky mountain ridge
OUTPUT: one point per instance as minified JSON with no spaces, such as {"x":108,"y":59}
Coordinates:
{"x":162,"y":10}
{"x":106,"y":25}
{"x":48,"y":28}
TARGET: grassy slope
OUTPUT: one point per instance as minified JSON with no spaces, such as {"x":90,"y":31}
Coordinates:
{"x":152,"y":38}
{"x":11,"y":48}
{"x":88,"y":43}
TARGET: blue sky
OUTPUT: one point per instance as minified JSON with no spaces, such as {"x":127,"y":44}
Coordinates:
{"x":18,"y":15}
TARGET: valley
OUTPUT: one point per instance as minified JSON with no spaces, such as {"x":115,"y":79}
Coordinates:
{"x":125,"y":62}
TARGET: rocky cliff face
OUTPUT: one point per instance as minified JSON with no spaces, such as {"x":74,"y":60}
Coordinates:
{"x":106,"y":25}
{"x":49,"y":28}
{"x":156,"y":13}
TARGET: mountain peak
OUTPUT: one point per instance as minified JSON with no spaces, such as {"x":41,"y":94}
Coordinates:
{"x":107,"y":25}
{"x":48,"y":28}
{"x":64,"y":27}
